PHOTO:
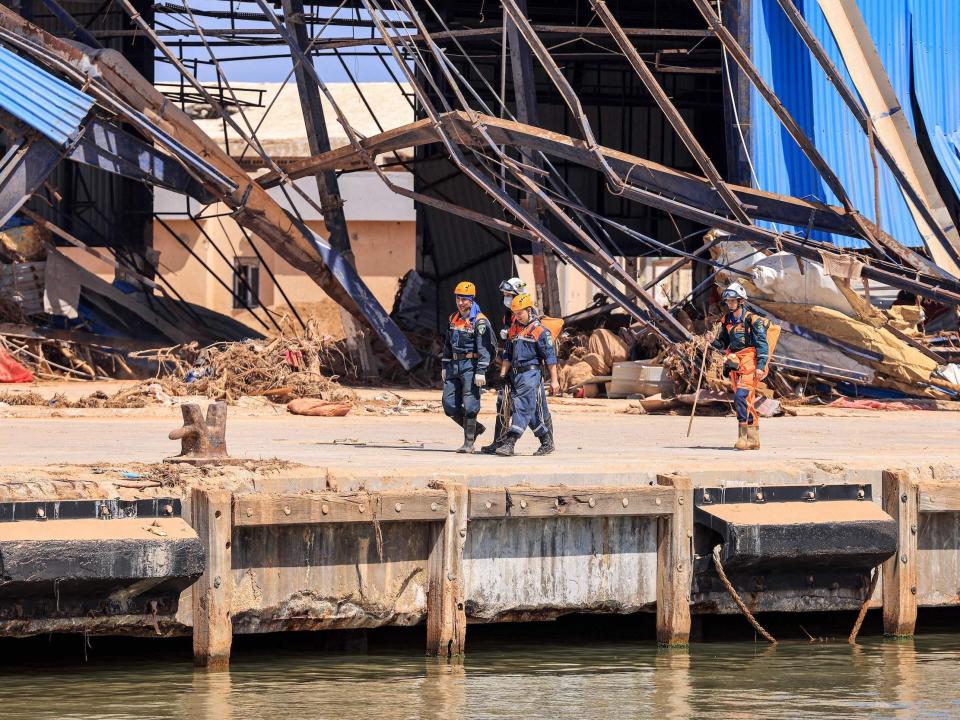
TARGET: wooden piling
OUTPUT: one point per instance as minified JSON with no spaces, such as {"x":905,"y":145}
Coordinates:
{"x":446,"y":616}
{"x":901,"y":501}
{"x":213,"y":592}
{"x":675,"y":563}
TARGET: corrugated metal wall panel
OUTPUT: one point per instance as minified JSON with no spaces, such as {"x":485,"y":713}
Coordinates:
{"x":795,"y":76}
{"x":42,"y":101}
{"x":936,"y":78}
{"x":24,"y":283}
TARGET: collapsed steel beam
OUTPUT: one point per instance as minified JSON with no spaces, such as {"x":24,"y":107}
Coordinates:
{"x":671,"y":330}
{"x":23,"y":169}
{"x":111,"y":149}
{"x":645,"y":173}
{"x":670,"y":111}
{"x":328,"y":188}
{"x":253,"y":207}
{"x":686,"y":195}
{"x":882,"y":244}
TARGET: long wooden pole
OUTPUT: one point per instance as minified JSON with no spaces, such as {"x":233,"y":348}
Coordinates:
{"x":696,"y":397}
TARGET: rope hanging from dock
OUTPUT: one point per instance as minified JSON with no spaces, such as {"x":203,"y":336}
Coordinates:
{"x":737,"y":599}
{"x":864,"y":607}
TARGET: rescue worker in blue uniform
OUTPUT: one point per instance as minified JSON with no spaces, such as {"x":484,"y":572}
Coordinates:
{"x":509,"y":289}
{"x":743,"y":336}
{"x":467,"y":351}
{"x":529,"y":345}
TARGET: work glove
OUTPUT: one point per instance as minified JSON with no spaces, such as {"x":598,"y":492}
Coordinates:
{"x":480,"y":380}
{"x":504,"y":334}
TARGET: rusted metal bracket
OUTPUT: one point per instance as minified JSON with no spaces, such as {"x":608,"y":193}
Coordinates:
{"x":202,"y":441}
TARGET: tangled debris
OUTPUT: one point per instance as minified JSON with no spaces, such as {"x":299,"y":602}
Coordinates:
{"x":302,"y":365}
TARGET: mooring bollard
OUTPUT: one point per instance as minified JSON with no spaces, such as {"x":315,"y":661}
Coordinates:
{"x":201,"y":441}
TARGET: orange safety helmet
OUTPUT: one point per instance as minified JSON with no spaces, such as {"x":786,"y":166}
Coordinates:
{"x":465,"y":289}
{"x":521,"y":302}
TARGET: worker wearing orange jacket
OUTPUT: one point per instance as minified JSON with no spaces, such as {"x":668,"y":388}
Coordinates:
{"x":467,"y":351}
{"x":529,"y":345}
{"x":743,"y":336}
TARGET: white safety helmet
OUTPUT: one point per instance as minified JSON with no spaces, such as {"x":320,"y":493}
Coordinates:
{"x":734,"y":291}
{"x":513,"y":286}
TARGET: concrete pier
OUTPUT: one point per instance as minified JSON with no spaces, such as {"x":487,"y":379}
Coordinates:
{"x":389,"y":527}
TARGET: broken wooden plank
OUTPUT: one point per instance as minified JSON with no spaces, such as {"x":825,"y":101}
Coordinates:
{"x":213,"y":592}
{"x":446,"y":609}
{"x":901,"y":500}
{"x":675,"y":563}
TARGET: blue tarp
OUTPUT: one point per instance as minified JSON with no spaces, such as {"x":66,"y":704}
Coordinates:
{"x":788,"y":67}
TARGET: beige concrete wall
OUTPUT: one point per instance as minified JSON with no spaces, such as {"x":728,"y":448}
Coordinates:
{"x":384,"y":250}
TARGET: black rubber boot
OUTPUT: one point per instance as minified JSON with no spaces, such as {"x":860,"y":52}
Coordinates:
{"x":491,"y":449}
{"x":458,"y":419}
{"x":469,"y":435}
{"x":546,"y":445}
{"x":507,"y":446}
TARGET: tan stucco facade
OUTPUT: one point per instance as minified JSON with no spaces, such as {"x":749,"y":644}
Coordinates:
{"x":384,"y":251}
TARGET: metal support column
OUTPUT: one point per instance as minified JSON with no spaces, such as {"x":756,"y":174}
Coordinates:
{"x":330,"y":201}
{"x":525,"y":95}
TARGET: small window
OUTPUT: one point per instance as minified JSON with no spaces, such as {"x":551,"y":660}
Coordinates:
{"x":246,"y":283}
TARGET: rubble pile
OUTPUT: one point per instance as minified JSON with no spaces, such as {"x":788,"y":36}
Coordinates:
{"x":286,"y":367}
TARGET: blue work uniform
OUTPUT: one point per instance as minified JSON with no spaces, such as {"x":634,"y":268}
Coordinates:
{"x":745,"y":335}
{"x":467,"y":351}
{"x":529,"y":346}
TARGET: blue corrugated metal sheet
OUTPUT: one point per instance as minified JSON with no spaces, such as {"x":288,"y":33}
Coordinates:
{"x":936,"y":78}
{"x":796,"y":77}
{"x":42,"y":101}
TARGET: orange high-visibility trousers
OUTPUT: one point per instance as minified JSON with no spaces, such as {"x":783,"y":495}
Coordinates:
{"x":744,"y":380}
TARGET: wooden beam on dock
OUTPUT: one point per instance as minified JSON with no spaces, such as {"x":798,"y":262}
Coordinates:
{"x":253,"y":509}
{"x":446,"y":614}
{"x":541,"y":502}
{"x":675,"y":562}
{"x":901,"y":500}
{"x":213,"y":592}
{"x":938,"y":497}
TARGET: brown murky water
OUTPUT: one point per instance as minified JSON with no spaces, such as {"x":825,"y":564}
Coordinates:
{"x":880,"y":678}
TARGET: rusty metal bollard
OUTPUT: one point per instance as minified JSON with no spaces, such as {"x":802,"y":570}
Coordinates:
{"x":202,"y":441}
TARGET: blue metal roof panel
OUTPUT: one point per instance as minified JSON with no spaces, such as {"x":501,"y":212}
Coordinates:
{"x":796,"y":77}
{"x":44,"y":102}
{"x":936,"y":79}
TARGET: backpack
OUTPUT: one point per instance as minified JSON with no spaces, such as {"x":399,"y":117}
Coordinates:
{"x":554,"y":325}
{"x":773,"y":332}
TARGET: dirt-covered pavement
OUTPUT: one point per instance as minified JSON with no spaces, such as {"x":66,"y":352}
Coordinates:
{"x":391,"y":431}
